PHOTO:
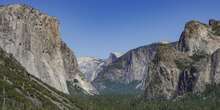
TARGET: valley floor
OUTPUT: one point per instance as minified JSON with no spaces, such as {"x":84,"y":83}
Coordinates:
{"x":209,"y":100}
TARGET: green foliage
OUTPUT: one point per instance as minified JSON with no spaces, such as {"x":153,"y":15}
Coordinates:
{"x":184,"y":63}
{"x":199,"y":55}
{"x":209,"y":100}
{"x":107,"y":102}
{"x":118,"y":88}
{"x":216,"y":30}
{"x":75,"y":90}
{"x":82,"y":76}
{"x":118,"y":65}
{"x":164,"y":52}
{"x":21,"y":91}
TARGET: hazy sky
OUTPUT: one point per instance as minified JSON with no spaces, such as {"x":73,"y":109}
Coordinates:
{"x":98,"y":27}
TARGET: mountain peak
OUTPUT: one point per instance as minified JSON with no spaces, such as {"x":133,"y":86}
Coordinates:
{"x":200,"y":37}
{"x":117,"y":54}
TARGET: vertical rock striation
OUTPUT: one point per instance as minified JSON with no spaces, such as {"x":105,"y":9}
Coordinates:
{"x":33,"y":38}
{"x":190,"y":67}
{"x":198,"y":37}
{"x":90,"y":66}
{"x":128,"y":70}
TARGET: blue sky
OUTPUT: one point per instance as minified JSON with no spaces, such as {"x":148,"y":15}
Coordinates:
{"x":98,"y":27}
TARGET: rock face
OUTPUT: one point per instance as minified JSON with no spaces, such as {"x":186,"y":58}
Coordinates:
{"x":33,"y":38}
{"x":166,"y":70}
{"x":23,"y":91}
{"x":113,"y":57}
{"x":162,"y":76}
{"x":215,"y":67}
{"x":200,"y":38}
{"x":128,"y":70}
{"x":90,"y":66}
{"x":188,"y":68}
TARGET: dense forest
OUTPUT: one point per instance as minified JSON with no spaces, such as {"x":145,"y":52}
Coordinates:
{"x":208,"y":100}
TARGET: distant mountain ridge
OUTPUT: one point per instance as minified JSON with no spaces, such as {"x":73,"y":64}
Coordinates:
{"x":166,"y":70}
{"x":91,"y":66}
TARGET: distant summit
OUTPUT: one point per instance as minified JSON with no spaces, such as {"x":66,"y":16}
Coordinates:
{"x":91,"y":66}
{"x":113,"y":57}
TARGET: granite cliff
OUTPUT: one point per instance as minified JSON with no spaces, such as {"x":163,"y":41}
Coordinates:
{"x":91,"y":66}
{"x":23,"y":91}
{"x":188,"y":68}
{"x":33,"y":38}
{"x":126,"y":72}
{"x":167,"y":70}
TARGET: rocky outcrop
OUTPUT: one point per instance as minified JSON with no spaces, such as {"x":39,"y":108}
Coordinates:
{"x":23,"y":91}
{"x":128,"y":70}
{"x":166,"y":70}
{"x":200,"y":38}
{"x":33,"y":38}
{"x":90,"y":67}
{"x":215,"y":67}
{"x":113,"y":57}
{"x":161,"y":79}
{"x":174,"y":73}
{"x":190,"y":67}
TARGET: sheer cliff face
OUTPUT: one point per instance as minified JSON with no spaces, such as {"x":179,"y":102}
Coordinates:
{"x":113,"y":57}
{"x":90,"y":66}
{"x":34,"y":40}
{"x":161,"y":79}
{"x":198,"y":37}
{"x":130,"y":68}
{"x":215,"y":67}
{"x":190,"y":67}
{"x":69,"y":61}
{"x":23,"y":91}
